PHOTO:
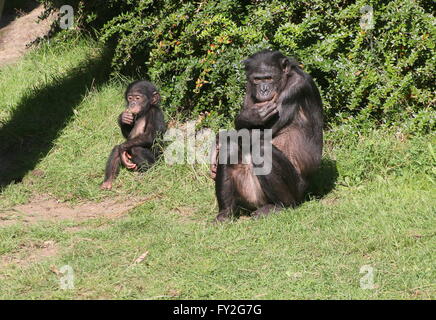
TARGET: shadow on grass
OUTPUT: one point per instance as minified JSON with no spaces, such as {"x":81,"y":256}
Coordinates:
{"x":323,"y":180}
{"x":40,"y":116}
{"x":15,"y":9}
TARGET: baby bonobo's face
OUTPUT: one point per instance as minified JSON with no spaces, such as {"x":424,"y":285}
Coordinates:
{"x":136,"y":102}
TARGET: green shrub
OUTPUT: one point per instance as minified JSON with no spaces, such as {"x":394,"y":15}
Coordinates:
{"x":193,"y":51}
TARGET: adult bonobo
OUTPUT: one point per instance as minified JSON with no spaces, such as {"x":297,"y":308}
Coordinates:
{"x":140,"y":124}
{"x":279,"y":96}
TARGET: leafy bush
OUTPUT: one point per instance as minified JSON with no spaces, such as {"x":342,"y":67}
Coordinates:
{"x":193,"y":51}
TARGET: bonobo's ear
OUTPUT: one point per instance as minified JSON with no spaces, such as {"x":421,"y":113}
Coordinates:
{"x":286,"y":65}
{"x":246,"y":62}
{"x":155,"y":99}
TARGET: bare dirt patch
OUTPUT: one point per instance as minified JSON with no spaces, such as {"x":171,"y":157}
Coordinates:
{"x":17,"y":30}
{"x":44,"y":208}
{"x":30,"y":253}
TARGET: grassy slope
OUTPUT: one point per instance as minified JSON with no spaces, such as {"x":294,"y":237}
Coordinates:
{"x":381,"y":211}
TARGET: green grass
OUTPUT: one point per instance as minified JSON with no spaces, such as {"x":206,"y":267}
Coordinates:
{"x":373,"y":203}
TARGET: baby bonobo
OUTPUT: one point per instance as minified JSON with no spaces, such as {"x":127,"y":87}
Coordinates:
{"x":140,"y":124}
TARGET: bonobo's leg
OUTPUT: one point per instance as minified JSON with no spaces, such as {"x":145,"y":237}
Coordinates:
{"x":281,"y":186}
{"x":266,"y":210}
{"x":142,"y":157}
{"x":112,"y":169}
{"x":237,"y":184}
{"x":225,"y":192}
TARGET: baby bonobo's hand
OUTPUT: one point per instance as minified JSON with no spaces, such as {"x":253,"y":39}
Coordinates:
{"x":125,"y":159}
{"x":127,"y":117}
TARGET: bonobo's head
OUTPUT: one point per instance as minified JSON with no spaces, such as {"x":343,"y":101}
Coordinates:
{"x":140,"y":96}
{"x":267,"y":72}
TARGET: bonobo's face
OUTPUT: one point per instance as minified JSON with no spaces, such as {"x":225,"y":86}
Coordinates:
{"x":136,"y":102}
{"x":264,"y":82}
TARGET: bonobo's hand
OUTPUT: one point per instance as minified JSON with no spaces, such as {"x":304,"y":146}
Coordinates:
{"x":125,"y":159}
{"x":265,"y":110}
{"x":259,"y":113}
{"x":214,"y":160}
{"x":127,"y":117}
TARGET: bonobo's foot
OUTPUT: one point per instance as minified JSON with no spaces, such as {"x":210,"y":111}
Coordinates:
{"x":265,"y":210}
{"x":222,"y":217}
{"x":107,"y":185}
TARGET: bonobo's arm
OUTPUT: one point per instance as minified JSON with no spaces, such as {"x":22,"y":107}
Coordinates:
{"x":262,"y":115}
{"x":295,"y":95}
{"x":125,"y":127}
{"x":255,"y":116}
{"x":159,"y":121}
{"x":155,"y":125}
{"x":143,"y":140}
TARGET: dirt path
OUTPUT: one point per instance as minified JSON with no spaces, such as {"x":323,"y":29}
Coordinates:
{"x":43,"y":208}
{"x":18,"y":29}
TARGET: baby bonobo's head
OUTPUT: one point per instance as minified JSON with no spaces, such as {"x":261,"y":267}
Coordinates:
{"x":140,"y":96}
